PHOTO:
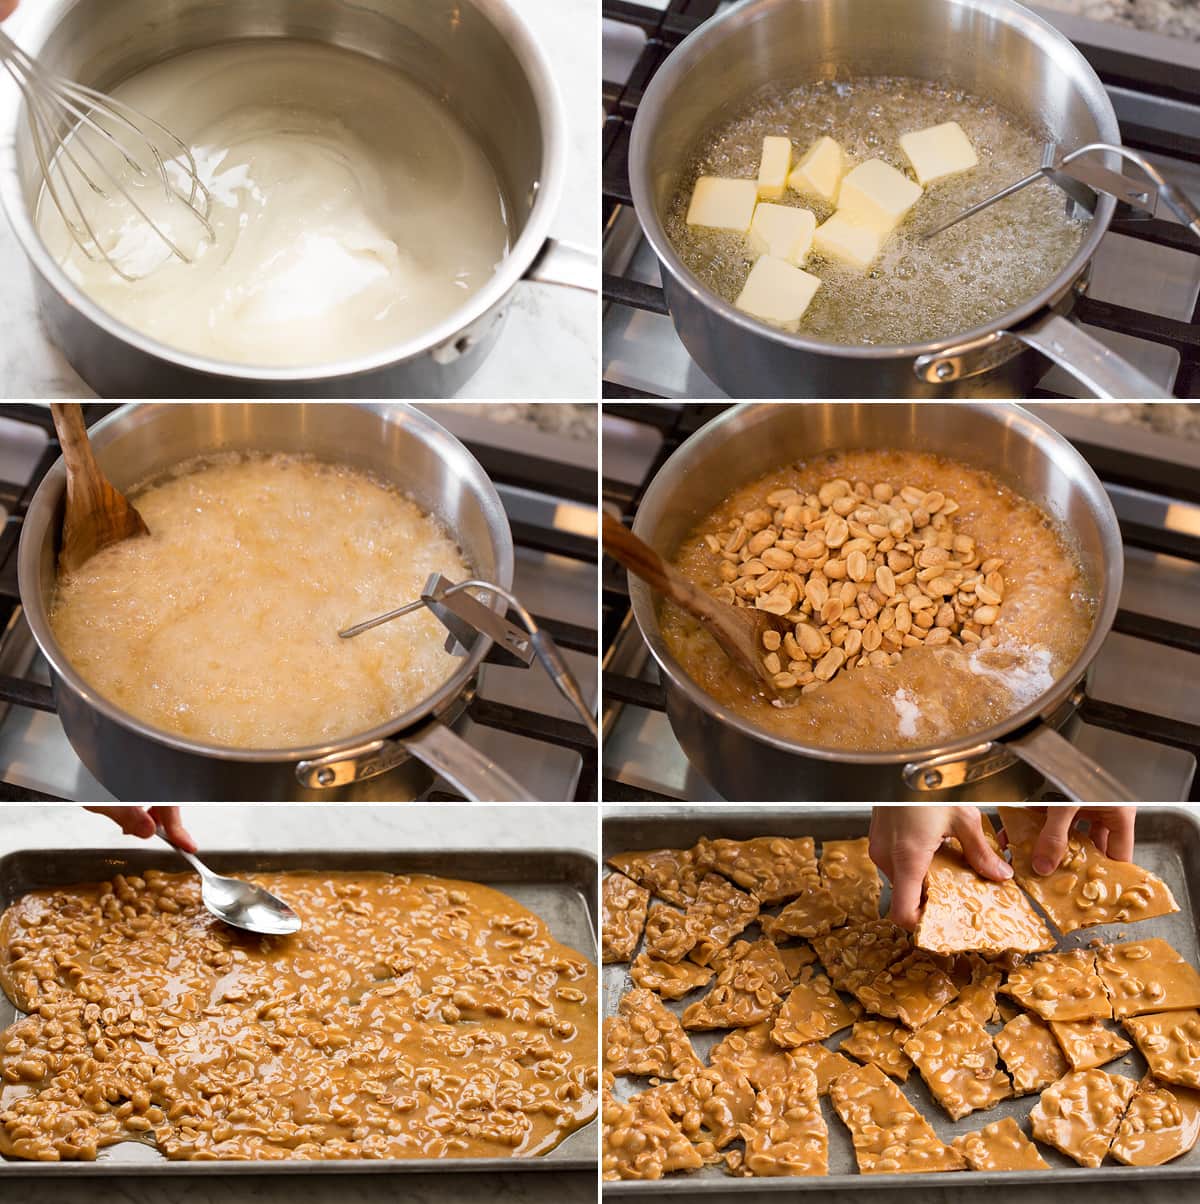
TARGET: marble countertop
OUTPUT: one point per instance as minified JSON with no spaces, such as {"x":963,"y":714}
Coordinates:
{"x":263,"y":826}
{"x":549,"y":346}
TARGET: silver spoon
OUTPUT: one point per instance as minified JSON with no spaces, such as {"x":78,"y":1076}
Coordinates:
{"x":239,"y":904}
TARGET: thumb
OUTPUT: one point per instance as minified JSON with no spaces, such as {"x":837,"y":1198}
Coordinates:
{"x":977,"y":850}
{"x":908,"y":881}
{"x":1051,"y":843}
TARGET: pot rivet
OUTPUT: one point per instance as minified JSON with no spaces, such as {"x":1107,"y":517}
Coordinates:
{"x":944,"y":370}
{"x":325,"y":777}
{"x":932,"y":778}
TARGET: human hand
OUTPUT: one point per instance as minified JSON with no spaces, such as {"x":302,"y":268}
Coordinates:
{"x":1110,"y":829}
{"x":904,"y":840}
{"x":142,"y":821}
{"x":6,"y":8}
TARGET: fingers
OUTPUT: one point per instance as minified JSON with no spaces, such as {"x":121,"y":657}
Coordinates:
{"x":1099,"y":834}
{"x":133,"y":821}
{"x":1119,"y":822}
{"x":1052,"y":840}
{"x":172,"y":824}
{"x":6,"y":8}
{"x":910,"y":865}
{"x":980,"y":855}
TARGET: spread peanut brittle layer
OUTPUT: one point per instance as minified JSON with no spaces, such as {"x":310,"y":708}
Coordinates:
{"x":1087,"y":1043}
{"x":787,"y":1134}
{"x":1147,"y":976}
{"x":812,"y":1011}
{"x":890,"y":1136}
{"x":880,"y":1043}
{"x":1088,"y":888}
{"x":671,"y":874}
{"x":741,"y":997}
{"x":957,"y":1060}
{"x":1000,"y":1146}
{"x":853,"y":955}
{"x":771,"y":868}
{"x":1170,"y":1043}
{"x":624,"y":906}
{"x":647,"y":1039}
{"x":850,"y":876}
{"x":720,"y":912}
{"x":710,"y":1107}
{"x":913,"y":990}
{"x":1061,"y":986}
{"x":1161,"y":1123}
{"x":965,"y":912}
{"x":640,"y":1141}
{"x":1080,"y":1113}
{"x":671,"y":980}
{"x":1031,"y":1053}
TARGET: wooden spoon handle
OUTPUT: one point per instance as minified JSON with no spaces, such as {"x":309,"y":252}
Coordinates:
{"x":82,"y":469}
{"x":643,"y":561}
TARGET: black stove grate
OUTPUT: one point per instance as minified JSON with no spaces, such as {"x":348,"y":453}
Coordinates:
{"x":505,"y":466}
{"x":1124,"y":71}
{"x":675,"y":424}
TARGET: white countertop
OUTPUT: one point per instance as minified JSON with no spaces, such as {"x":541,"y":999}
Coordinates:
{"x":548,"y":347}
{"x":264,"y":826}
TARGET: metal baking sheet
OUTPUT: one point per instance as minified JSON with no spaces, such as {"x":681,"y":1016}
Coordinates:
{"x":559,"y":885}
{"x":1168,"y":844}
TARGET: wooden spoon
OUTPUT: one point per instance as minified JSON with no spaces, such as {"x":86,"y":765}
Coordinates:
{"x":737,"y":629}
{"x":98,"y":515}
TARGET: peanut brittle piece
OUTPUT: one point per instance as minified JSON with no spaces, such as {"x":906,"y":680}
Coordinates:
{"x":812,"y":1011}
{"x":826,"y":1064}
{"x":978,"y":999}
{"x":624,"y":905}
{"x":1087,"y":1043}
{"x":880,"y":1043}
{"x":855,"y":954}
{"x":741,"y":997}
{"x":671,"y":874}
{"x":965,"y":912}
{"x":671,"y":980}
{"x":1007,"y":1011}
{"x":1147,"y":976}
{"x":1080,"y":1113}
{"x":1160,"y":1124}
{"x":670,"y":934}
{"x":752,"y":1052}
{"x":912,"y":991}
{"x":1061,"y":986}
{"x":719,"y":913}
{"x":1170,"y":1043}
{"x":1031,"y":1054}
{"x":1088,"y":888}
{"x":640,"y":1141}
{"x":850,"y":876}
{"x":890,"y":1136}
{"x":811,"y":914}
{"x":771,"y":868}
{"x":787,"y":1133}
{"x":760,"y":954}
{"x":957,"y":1060}
{"x":796,"y":958}
{"x":710,"y":1107}
{"x":1000,"y":1146}
{"x":647,"y":1039}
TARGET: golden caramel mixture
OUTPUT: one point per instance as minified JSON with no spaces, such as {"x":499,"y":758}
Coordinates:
{"x":411,"y":1017}
{"x":936,"y":690}
{"x":222,"y":624}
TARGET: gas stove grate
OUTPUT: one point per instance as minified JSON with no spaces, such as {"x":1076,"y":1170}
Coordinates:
{"x":1128,"y":75}
{"x":505,"y":466}
{"x":675,"y":424}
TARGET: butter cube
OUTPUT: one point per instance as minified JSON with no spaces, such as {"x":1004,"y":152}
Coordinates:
{"x":774,"y":168}
{"x":723,"y":204}
{"x":846,"y":241}
{"x":783,"y":232}
{"x":777,"y":292}
{"x":820,"y":172}
{"x":938,"y":152}
{"x":876,"y":194}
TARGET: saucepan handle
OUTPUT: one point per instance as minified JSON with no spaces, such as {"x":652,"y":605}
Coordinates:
{"x":1061,"y":763}
{"x":1098,"y":368}
{"x":567,"y":264}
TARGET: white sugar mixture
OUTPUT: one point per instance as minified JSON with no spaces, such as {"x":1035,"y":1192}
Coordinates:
{"x":222,"y":624}
{"x":352,"y":210}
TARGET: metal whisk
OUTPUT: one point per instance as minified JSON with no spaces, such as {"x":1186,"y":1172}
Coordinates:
{"x":69,"y":123}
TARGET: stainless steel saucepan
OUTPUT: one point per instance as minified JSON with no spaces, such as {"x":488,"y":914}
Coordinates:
{"x":990,"y":48}
{"x":1010,"y":761}
{"x":139,"y":762}
{"x":476,"y":55}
